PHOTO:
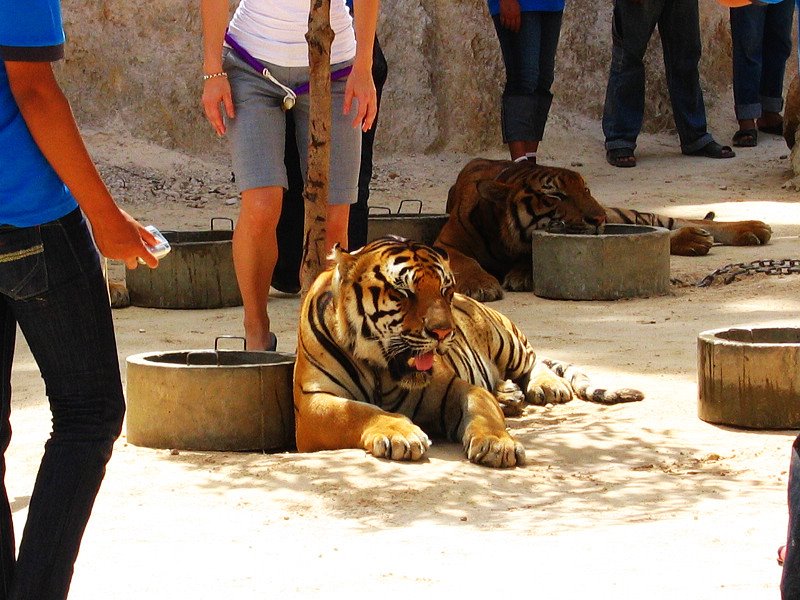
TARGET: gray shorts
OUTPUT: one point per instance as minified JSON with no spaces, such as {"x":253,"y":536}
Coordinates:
{"x":257,"y":133}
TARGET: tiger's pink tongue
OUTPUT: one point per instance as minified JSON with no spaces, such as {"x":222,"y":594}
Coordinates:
{"x":423,"y":362}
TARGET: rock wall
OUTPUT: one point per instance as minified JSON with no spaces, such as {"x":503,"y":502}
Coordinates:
{"x":138,"y":65}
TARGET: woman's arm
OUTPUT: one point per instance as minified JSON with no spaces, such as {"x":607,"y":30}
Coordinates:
{"x":359,"y":84}
{"x":217,"y":90}
{"x":49,"y":118}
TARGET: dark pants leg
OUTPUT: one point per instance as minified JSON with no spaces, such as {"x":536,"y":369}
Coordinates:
{"x":529,"y":58}
{"x":631,"y":29}
{"x":790,"y":580}
{"x":58,"y":296}
{"x":290,"y":226}
{"x":777,"y":49}
{"x":679,"y":26}
{"x":762,"y":42}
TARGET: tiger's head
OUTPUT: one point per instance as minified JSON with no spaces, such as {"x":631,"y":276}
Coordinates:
{"x":393,"y":302}
{"x":526,"y":197}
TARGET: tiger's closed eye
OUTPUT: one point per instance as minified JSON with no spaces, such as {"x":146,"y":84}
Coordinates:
{"x":395,"y":295}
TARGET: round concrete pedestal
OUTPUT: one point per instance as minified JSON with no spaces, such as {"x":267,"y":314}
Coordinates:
{"x":624,"y":261}
{"x":749,"y":377}
{"x":197,"y":273}
{"x":412,"y":226}
{"x":210,"y":400}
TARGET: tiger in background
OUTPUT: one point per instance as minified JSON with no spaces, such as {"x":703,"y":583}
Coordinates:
{"x":388,"y":354}
{"x":494,"y":206}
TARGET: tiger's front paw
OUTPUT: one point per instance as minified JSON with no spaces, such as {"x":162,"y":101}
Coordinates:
{"x":396,"y":438}
{"x":751,"y":233}
{"x":489,"y":450}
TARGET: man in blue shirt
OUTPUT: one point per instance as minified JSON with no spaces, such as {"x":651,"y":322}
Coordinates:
{"x":52,"y":286}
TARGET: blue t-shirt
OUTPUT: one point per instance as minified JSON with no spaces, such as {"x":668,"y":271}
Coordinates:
{"x":530,"y":5}
{"x":31,"y":193}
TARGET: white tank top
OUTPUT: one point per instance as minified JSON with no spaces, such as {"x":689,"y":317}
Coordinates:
{"x":274,"y":31}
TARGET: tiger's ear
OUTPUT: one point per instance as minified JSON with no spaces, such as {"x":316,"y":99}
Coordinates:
{"x":492,"y":190}
{"x":342,"y":259}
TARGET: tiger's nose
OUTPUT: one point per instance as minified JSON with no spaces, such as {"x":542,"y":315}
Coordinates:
{"x":441,"y":333}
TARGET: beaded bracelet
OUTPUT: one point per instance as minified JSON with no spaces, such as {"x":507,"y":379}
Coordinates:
{"x":213,"y":75}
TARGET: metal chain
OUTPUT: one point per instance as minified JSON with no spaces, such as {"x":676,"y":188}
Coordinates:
{"x":730,"y":272}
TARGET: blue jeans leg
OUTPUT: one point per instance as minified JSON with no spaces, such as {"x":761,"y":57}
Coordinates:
{"x":56,"y":293}
{"x":762,"y":44}
{"x":679,"y":26}
{"x":632,"y":26}
{"x":529,"y":59}
{"x":777,"y":49}
{"x":747,"y":33}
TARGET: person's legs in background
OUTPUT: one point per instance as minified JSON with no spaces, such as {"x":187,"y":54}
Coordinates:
{"x":679,"y":27}
{"x":521,"y":58}
{"x":549,"y":31}
{"x":623,"y":111}
{"x":777,"y":47}
{"x":747,"y":35}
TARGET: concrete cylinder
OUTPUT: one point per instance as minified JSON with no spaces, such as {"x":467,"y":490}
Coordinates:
{"x":197,"y":273}
{"x":749,"y":377}
{"x":409,"y":225}
{"x":210,"y":400}
{"x":624,"y":261}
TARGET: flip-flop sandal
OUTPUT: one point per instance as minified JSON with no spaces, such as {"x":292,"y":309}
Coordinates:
{"x":773,"y":129}
{"x":273,"y":342}
{"x":713,"y":150}
{"x":745,"y":138}
{"x":621,"y":157}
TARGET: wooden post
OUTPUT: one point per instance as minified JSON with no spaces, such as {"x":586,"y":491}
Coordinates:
{"x":315,"y":194}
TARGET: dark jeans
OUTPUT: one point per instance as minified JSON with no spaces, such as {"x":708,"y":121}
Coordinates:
{"x":762,"y":43}
{"x":529,"y":56}
{"x":790,"y":581}
{"x":632,"y":27}
{"x":51,"y":284}
{"x":290,"y":226}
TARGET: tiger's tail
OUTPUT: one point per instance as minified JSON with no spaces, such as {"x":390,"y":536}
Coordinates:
{"x":584,"y":389}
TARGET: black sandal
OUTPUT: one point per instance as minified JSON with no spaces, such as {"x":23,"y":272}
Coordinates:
{"x":713,"y":150}
{"x":745,"y":138}
{"x":776,"y":129}
{"x":621,"y":157}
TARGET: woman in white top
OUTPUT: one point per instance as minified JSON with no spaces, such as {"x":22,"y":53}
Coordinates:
{"x":243,"y":104}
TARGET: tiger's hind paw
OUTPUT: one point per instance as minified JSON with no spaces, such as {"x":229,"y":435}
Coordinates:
{"x":690,"y":241}
{"x":510,"y":397}
{"x":482,"y":292}
{"x":519,"y":279}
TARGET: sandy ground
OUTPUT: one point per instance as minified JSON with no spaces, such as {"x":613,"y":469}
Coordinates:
{"x":640,"y":500}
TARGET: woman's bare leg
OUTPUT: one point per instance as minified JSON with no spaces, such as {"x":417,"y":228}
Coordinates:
{"x":255,"y":252}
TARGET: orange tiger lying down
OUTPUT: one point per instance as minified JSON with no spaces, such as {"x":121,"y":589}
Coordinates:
{"x":495,"y":204}
{"x":388,"y":354}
